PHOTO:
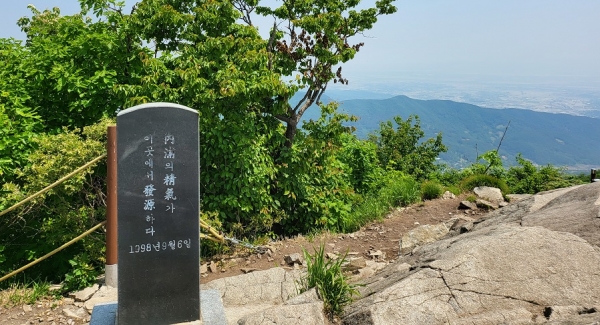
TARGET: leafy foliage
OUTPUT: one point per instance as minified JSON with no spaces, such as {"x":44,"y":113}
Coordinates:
{"x":62,"y":213}
{"x":527,"y":178}
{"x":317,"y":192}
{"x":393,"y":189}
{"x":82,"y":274}
{"x":489,"y":163}
{"x":73,"y":63}
{"x":19,"y":122}
{"x":401,"y":148}
{"x":362,"y":163}
{"x":331,"y":283}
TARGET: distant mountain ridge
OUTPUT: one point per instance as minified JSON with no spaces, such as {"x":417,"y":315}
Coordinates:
{"x":468,"y":130}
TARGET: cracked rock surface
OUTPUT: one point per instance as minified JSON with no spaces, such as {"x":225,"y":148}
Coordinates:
{"x":271,"y":286}
{"x":510,"y":269}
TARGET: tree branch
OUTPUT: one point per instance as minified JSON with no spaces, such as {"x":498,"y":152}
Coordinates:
{"x":505,"y":129}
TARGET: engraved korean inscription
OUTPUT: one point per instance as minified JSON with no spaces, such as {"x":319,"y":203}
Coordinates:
{"x":158,"y":210}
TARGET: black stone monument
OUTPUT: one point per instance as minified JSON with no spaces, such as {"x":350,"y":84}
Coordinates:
{"x":158,"y":210}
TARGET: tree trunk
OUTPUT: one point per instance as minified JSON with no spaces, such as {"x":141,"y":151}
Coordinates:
{"x":290,"y":132}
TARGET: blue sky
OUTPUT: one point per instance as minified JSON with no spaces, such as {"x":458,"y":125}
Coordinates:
{"x":436,"y":39}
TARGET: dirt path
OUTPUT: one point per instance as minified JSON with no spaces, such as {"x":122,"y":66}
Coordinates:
{"x":382,"y":235}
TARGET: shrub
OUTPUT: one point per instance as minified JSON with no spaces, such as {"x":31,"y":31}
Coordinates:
{"x":330,"y":281}
{"x":316,"y":190}
{"x":527,"y":178}
{"x":363,"y":166}
{"x":82,"y":274}
{"x":447,"y":176}
{"x":61,"y":214}
{"x":395,"y":189}
{"x":431,"y":190}
{"x":469,"y":183}
{"x":398,"y":189}
{"x":402,"y":148}
{"x":454,"y":189}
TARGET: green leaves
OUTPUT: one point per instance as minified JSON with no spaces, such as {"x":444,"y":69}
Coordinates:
{"x":73,"y":64}
{"x":61,"y":214}
{"x":528,"y":178}
{"x":74,"y":71}
{"x":327,"y":276}
{"x":18,"y":120}
{"x":402,"y":149}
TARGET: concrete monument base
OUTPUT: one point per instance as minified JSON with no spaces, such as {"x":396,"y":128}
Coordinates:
{"x":211,"y":310}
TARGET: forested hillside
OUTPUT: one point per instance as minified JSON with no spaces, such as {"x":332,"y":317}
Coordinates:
{"x":469,"y":130}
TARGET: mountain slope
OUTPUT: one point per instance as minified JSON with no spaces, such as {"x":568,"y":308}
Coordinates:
{"x":558,"y":139}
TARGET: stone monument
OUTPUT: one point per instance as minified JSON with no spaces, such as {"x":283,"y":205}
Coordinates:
{"x":158,"y":210}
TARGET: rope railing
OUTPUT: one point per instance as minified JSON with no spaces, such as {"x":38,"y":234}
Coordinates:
{"x":51,"y":186}
{"x":212,"y":235}
{"x":38,"y":193}
{"x":71,"y":242}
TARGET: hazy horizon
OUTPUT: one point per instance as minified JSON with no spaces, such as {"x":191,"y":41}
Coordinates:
{"x":511,"y":50}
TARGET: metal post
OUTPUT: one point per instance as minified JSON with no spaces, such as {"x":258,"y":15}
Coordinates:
{"x":111,"y":208}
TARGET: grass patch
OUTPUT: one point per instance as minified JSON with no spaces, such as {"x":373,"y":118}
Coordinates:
{"x":431,"y":190}
{"x":21,"y":294}
{"x":331,"y":283}
{"x":394,"y":191}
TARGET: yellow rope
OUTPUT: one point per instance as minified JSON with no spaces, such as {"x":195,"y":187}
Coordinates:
{"x":53,"y":252}
{"x":51,"y":186}
{"x":216,"y":237}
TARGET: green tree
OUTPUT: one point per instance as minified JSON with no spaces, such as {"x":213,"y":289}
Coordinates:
{"x":73,"y":63}
{"x":19,"y":121}
{"x":403,"y":149}
{"x":488,"y":163}
{"x":308,"y":40}
{"x":529,"y":178}
{"x":208,"y":55}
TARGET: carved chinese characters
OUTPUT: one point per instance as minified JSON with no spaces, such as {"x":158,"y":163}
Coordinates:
{"x":158,"y":209}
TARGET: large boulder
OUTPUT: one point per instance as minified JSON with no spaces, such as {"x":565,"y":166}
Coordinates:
{"x":305,"y":308}
{"x":534,"y":261}
{"x":491,"y":194}
{"x":272,"y":286}
{"x":576,"y":211}
{"x":266,"y":297}
{"x":422,"y":235}
{"x":500,"y":274}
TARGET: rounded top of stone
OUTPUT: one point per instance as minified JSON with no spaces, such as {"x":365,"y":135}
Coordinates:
{"x":156,"y":104}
